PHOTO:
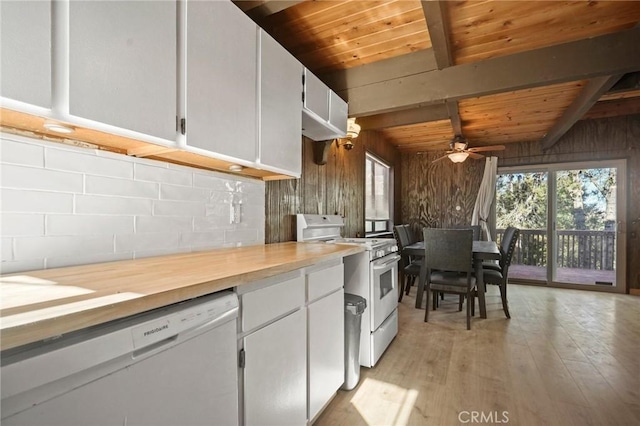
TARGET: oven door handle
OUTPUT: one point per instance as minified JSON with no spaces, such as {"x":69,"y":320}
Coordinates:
{"x":394,"y":259}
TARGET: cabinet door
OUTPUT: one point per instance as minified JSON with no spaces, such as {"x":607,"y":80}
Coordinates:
{"x":326,"y":350}
{"x":25,"y":51}
{"x":275,"y":373}
{"x":221,"y":79}
{"x":338,"y":112}
{"x":123,"y":64}
{"x":316,"y":95}
{"x":280,"y":107}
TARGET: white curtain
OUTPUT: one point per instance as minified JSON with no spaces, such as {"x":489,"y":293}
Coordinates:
{"x":485,"y":196}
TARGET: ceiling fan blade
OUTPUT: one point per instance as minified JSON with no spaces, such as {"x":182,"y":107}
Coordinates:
{"x":440,"y":159}
{"x":475,"y":156}
{"x":487,"y":148}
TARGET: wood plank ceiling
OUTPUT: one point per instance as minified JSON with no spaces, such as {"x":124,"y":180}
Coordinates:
{"x":497,"y":72}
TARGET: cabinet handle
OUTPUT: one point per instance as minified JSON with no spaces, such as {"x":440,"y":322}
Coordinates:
{"x":241,"y":358}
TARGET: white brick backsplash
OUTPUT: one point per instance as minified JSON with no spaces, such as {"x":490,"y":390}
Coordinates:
{"x":91,"y":164}
{"x":61,"y":262}
{"x":88,"y":225}
{"x":98,"y":204}
{"x":178,"y":208}
{"x":202,"y":239}
{"x":213,"y":182}
{"x":142,"y":242}
{"x":6,"y":252}
{"x":163,"y":174}
{"x":40,"y":179}
{"x":42,"y":247}
{"x":65,"y":205}
{"x":219,"y":204}
{"x":183,"y":193}
{"x":21,"y":153}
{"x":14,"y":200}
{"x":121,"y":187}
{"x":249,"y":236}
{"x":21,"y":225}
{"x":139,"y":254}
{"x":152,"y":224}
{"x":211,"y":223}
{"x":21,"y":265}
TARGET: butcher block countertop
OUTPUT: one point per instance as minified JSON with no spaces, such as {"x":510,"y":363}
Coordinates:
{"x":37,"y":305}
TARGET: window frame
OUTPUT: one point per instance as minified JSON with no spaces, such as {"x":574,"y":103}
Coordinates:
{"x":378,"y":226}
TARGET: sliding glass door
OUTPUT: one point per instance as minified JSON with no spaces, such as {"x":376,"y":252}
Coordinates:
{"x":571,"y":218}
{"x":521,"y":201}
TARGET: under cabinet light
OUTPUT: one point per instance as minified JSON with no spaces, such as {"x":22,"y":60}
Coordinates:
{"x":58,"y":128}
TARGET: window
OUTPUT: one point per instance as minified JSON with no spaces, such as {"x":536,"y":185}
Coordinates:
{"x":378,"y":197}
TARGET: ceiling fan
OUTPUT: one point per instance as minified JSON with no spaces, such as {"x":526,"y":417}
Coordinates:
{"x":458,"y":151}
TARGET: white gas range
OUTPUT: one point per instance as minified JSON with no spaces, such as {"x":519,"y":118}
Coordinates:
{"x":372,"y":274}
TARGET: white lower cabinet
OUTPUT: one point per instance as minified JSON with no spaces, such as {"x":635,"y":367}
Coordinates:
{"x":291,"y":339}
{"x":326,"y":350}
{"x":273,"y":341}
{"x":325,"y":325}
{"x":275,"y":373}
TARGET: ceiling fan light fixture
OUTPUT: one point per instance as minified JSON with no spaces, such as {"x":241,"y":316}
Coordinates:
{"x":458,"y":157}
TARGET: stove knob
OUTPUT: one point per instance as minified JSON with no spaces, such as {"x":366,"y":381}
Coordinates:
{"x":394,"y":249}
{"x":379,"y":253}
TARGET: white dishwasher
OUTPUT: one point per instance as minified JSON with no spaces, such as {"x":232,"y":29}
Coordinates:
{"x":175,"y":365}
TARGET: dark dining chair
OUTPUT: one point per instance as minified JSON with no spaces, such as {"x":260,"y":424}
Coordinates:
{"x":507,"y":237}
{"x":477,"y":230}
{"x":409,"y":268}
{"x":500,"y":276}
{"x":449,"y":266}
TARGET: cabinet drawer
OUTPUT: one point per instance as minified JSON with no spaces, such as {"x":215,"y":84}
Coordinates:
{"x":324,"y":281}
{"x":263,"y":305}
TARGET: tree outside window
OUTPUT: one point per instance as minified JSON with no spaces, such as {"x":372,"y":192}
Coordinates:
{"x":377,"y":195}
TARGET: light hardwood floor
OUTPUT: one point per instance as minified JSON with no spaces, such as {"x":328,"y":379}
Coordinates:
{"x":566,"y":357}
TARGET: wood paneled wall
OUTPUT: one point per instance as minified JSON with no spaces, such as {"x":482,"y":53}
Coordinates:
{"x":431,"y":193}
{"x":334,"y":188}
{"x":438,"y":195}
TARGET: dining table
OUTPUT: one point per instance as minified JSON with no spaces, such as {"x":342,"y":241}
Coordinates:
{"x":482,"y":250}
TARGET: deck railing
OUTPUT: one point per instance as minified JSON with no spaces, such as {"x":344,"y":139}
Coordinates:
{"x":576,"y":249}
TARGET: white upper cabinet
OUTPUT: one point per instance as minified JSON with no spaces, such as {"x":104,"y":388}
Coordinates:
{"x":25,"y":51}
{"x":316,"y":95}
{"x":221,"y":80}
{"x":324,"y":114}
{"x":338,"y":112}
{"x":123,"y":64}
{"x":280,"y":106}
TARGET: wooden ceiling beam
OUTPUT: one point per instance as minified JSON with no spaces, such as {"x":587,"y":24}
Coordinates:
{"x":405,"y":117}
{"x":589,"y":95}
{"x":437,"y":24}
{"x":386,"y":69}
{"x":629,"y":82}
{"x":610,"y":54}
{"x":613,"y":108}
{"x":435,"y":13}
